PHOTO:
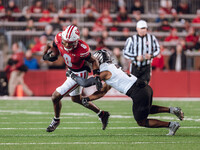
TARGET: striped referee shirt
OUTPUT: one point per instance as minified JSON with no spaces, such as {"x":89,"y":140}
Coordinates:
{"x":137,"y":46}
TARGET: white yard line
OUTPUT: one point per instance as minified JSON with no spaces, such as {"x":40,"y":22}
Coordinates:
{"x":125,"y":98}
{"x":98,"y":143}
{"x":89,"y":128}
{"x":89,"y":115}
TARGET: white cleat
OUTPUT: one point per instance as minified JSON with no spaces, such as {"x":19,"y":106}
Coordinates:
{"x":173,"y":128}
{"x":178,"y":112}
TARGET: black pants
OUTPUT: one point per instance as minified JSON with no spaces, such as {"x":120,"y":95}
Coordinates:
{"x":141,"y":94}
{"x":142,"y":73}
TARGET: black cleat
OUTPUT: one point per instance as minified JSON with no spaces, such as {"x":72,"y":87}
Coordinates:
{"x":104,"y":116}
{"x":54,"y":124}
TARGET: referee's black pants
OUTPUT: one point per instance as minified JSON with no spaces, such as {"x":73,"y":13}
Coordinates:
{"x":142,"y":72}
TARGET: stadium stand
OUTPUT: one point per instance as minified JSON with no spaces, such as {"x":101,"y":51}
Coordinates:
{"x":23,"y":23}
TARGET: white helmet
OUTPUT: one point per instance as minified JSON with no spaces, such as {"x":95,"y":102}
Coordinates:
{"x":70,"y":35}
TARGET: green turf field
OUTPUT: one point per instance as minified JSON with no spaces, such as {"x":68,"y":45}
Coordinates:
{"x":23,"y":124}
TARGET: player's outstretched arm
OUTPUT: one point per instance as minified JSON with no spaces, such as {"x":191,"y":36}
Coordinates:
{"x":85,"y":82}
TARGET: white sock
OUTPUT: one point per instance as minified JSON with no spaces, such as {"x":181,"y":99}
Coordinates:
{"x":57,"y":118}
{"x":99,"y":112}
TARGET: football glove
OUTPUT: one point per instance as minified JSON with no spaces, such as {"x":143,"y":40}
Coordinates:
{"x":70,"y":74}
{"x":48,"y":57}
{"x":98,"y":83}
{"x":96,"y":72}
{"x":85,"y":101}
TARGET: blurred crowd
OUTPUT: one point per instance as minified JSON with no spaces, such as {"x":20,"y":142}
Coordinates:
{"x":32,"y":47}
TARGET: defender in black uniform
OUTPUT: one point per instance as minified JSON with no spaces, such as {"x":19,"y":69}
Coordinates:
{"x":140,"y":92}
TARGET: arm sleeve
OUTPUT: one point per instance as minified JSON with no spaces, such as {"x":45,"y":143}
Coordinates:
{"x":156,"y":47}
{"x":129,"y":51}
{"x":84,"y":82}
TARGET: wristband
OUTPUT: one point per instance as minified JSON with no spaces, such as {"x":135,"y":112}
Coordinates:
{"x":96,"y":71}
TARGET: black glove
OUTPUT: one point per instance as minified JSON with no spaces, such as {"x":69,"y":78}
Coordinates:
{"x":69,"y":73}
{"x":96,"y":71}
{"x":48,"y":57}
{"x":98,"y":83}
{"x":85,"y":101}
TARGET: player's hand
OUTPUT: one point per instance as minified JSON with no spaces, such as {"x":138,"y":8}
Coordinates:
{"x":85,"y":101}
{"x":70,"y":74}
{"x":147,"y":56}
{"x":47,"y":55}
{"x":140,"y":58}
{"x":98,"y":83}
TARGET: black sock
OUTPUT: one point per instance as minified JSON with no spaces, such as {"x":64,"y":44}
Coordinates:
{"x":169,"y":124}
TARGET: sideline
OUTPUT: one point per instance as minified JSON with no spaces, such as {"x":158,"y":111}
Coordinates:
{"x":124,"y":98}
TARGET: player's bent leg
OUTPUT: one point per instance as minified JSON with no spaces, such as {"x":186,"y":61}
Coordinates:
{"x":91,"y":106}
{"x":153,"y":123}
{"x":103,"y":115}
{"x":173,"y":110}
{"x":56,"y":99}
{"x":159,"y":109}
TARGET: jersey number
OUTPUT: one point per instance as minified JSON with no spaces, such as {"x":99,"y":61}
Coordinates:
{"x":67,"y":59}
{"x":83,"y":46}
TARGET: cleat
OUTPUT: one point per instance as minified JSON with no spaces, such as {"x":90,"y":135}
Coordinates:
{"x":54,"y":124}
{"x":104,"y":119}
{"x":178,"y":112}
{"x":173,"y":128}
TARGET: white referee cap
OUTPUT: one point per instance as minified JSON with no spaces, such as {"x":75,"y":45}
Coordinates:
{"x":141,"y":24}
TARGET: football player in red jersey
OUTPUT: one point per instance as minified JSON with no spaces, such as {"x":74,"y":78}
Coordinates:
{"x":76,"y":54}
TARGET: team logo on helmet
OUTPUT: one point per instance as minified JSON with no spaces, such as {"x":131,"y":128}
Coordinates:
{"x":102,"y":56}
{"x":77,"y":32}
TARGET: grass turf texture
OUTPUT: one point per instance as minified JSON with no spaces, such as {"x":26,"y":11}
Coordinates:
{"x":23,"y":125}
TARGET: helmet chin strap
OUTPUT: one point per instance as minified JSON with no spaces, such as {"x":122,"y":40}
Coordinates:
{"x":67,"y":49}
{"x":74,"y":46}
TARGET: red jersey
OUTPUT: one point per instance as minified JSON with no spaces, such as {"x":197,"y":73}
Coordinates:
{"x":19,"y":57}
{"x":196,"y":20}
{"x":75,"y":58}
{"x":44,"y":19}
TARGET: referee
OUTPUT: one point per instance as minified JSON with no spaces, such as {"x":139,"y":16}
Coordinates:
{"x":141,"y":49}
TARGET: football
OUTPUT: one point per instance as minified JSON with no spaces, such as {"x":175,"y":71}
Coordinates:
{"x":54,"y":51}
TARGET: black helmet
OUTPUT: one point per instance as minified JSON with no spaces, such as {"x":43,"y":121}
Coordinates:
{"x":102,"y":56}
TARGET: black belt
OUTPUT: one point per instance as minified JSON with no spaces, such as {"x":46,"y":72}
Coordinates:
{"x":140,"y":66}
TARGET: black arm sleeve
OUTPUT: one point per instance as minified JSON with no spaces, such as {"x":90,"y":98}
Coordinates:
{"x":84,"y":82}
{"x":54,"y":45}
{"x":88,"y":57}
